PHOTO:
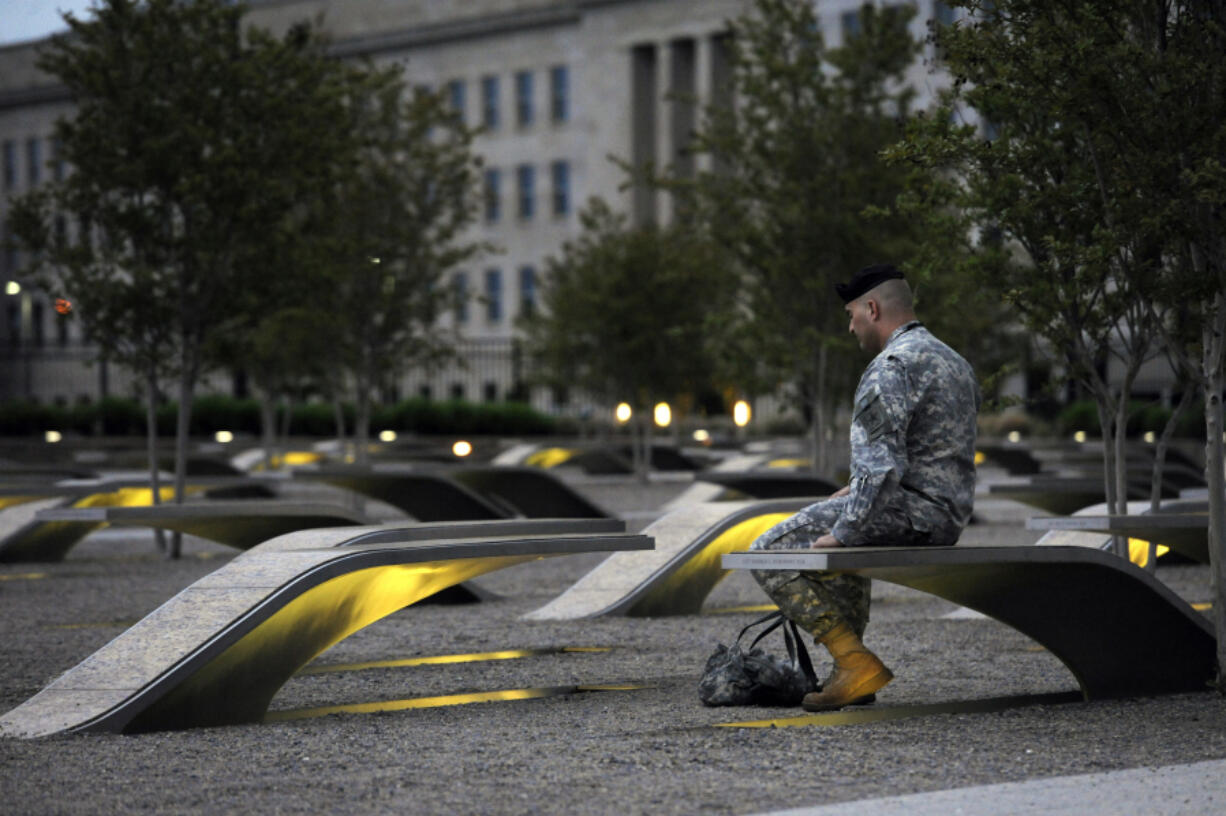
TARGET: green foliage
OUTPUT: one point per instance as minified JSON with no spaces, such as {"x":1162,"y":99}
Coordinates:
{"x":797,"y":194}
{"x":628,"y":313}
{"x":117,"y":416}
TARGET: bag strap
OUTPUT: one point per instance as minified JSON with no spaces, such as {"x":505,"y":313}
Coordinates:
{"x":779,"y":619}
{"x":798,"y":653}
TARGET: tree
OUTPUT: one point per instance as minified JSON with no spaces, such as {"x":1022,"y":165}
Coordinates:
{"x":626,"y":315}
{"x":184,"y":169}
{"x":1104,"y":177}
{"x":395,"y":229}
{"x":794,"y":166}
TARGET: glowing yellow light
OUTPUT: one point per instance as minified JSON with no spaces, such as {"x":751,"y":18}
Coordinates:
{"x":1080,"y":436}
{"x":387,"y":436}
{"x":462,"y":448}
{"x":1138,"y":551}
{"x":1149,"y":437}
{"x":980,"y":458}
{"x":376,"y":260}
{"x":549,"y":457}
{"x":741,"y":413}
{"x":1015,"y":436}
{"x":12,"y":288}
{"x":53,"y":436}
{"x":663,"y":414}
{"x":702,"y":435}
{"x":789,"y":463}
{"x":437,"y":660}
{"x":223,"y":437}
{"x":623,"y":412}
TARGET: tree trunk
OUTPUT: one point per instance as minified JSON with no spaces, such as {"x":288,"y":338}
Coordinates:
{"x":186,"y":387}
{"x":1160,"y":448}
{"x":1106,"y":421}
{"x":338,"y":412}
{"x":361,"y":425}
{"x":268,"y":430}
{"x":151,"y":438}
{"x":821,"y":450}
{"x":1214,"y":342}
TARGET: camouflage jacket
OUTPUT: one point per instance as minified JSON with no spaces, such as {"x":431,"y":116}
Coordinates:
{"x":913,"y":438}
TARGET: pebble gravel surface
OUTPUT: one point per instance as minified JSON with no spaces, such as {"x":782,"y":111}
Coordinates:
{"x":615,"y":727}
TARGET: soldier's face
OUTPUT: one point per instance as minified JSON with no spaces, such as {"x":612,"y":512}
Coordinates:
{"x":861,"y":323}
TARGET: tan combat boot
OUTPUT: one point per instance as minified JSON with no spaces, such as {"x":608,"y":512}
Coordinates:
{"x":858,"y":673}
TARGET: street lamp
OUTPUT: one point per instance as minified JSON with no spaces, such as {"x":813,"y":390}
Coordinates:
{"x":741,"y":413}
{"x":623,"y":413}
{"x":663,"y":414}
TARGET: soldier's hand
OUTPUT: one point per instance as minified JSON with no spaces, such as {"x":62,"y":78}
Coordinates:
{"x":826,"y":541}
{"x":842,"y":491}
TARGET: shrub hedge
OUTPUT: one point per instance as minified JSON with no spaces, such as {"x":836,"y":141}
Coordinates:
{"x":117,"y":416}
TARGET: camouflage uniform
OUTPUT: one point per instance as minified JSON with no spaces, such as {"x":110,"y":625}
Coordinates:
{"x":912,"y":477}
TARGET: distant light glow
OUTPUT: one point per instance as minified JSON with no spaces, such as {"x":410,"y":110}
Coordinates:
{"x":623,"y":412}
{"x":462,"y":448}
{"x":12,"y":288}
{"x":1015,"y":436}
{"x":53,"y":436}
{"x":1080,"y":436}
{"x":702,"y":435}
{"x":223,"y":437}
{"x":387,"y":436}
{"x":1149,"y":437}
{"x":663,"y":414}
{"x":741,"y":413}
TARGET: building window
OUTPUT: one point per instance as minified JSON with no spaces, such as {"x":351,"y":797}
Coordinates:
{"x":10,"y":165}
{"x":850,"y":23}
{"x":455,"y":96}
{"x":489,"y":102}
{"x":460,"y":288}
{"x":457,"y":391}
{"x":493,"y":194}
{"x":490,"y":391}
{"x":57,"y":159}
{"x":34,"y":163}
{"x":523,"y":98}
{"x":61,"y":330}
{"x":526,"y":176}
{"x":560,"y":173}
{"x":425,"y":391}
{"x":37,"y":313}
{"x":493,"y":295}
{"x":559,"y":93}
{"x":527,"y":290}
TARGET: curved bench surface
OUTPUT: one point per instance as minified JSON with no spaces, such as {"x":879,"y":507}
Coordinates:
{"x":1117,"y":628}
{"x":217,"y":652}
{"x":528,"y":491}
{"x":675,"y":577}
{"x":766,"y":484}
{"x":241,"y":524}
{"x":426,"y":496}
{"x":1184,"y":533}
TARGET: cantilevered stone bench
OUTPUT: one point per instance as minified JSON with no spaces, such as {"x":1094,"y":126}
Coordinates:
{"x":423,"y":495}
{"x":676,"y":577}
{"x":527,"y":492}
{"x":1184,"y":533}
{"x":24,"y":536}
{"x":1118,"y":629}
{"x":217,"y":652}
{"x":1056,"y":495}
{"x":241,"y":524}
{"x":769,"y":484}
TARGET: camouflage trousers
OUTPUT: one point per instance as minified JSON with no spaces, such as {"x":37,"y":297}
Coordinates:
{"x":817,"y":601}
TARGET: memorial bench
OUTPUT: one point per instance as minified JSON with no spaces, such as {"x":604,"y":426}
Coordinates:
{"x":242,"y":524}
{"x":1184,"y":533}
{"x":24,"y":536}
{"x":217,"y":652}
{"x":768,"y":484}
{"x":677,"y":575}
{"x":1119,"y":630}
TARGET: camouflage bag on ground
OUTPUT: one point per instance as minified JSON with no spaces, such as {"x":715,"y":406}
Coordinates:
{"x":736,"y":676}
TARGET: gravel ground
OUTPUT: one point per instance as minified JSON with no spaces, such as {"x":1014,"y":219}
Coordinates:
{"x":652,"y":748}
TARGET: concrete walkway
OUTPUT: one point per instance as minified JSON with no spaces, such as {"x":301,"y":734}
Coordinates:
{"x":1174,"y":790}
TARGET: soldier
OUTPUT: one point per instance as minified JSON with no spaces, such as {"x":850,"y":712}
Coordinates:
{"x":912,"y":478}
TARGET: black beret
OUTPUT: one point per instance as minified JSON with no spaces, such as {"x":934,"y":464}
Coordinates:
{"x":866,"y":279}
